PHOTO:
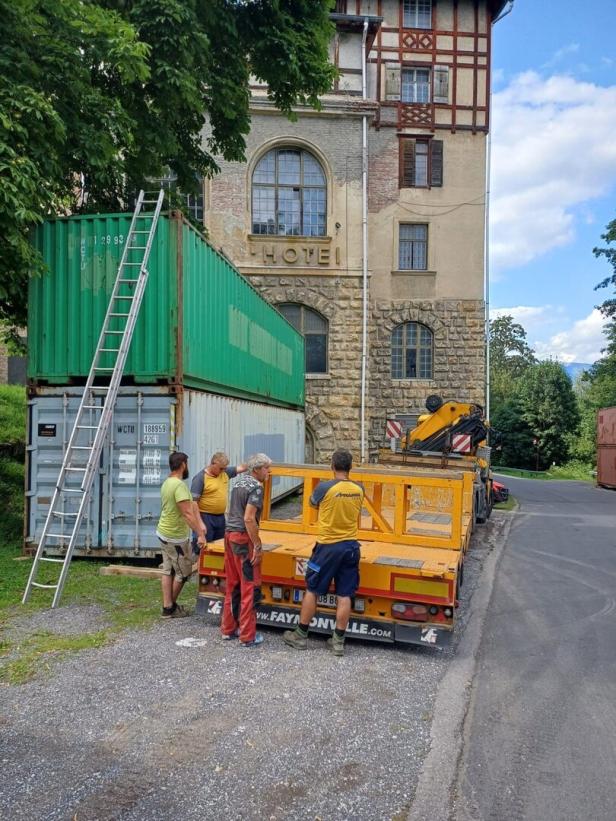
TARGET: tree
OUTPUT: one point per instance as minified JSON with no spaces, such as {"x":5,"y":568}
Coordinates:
{"x":510,"y":357}
{"x":515,"y":448}
{"x":550,"y":410}
{"x":98,"y":96}
{"x":608,"y":306}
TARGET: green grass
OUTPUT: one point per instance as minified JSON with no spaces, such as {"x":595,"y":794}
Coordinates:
{"x":126,"y":603}
{"x":574,"y":471}
{"x":510,"y":504}
{"x":12,"y":414}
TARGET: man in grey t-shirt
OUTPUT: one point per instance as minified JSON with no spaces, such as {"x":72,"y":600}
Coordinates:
{"x":243,"y":554}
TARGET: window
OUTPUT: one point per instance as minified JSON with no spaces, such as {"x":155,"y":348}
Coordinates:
{"x":413,"y":251}
{"x":411,"y":351}
{"x":415,"y":85}
{"x":191,"y":203}
{"x":289,"y":194}
{"x":313,"y":327}
{"x":421,"y":163}
{"x":417,"y":14}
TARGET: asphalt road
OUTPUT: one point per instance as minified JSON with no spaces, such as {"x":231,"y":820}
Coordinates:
{"x":540,"y":734}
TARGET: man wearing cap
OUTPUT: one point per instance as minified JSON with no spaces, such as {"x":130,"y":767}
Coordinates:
{"x":210,"y":490}
{"x":243,"y":554}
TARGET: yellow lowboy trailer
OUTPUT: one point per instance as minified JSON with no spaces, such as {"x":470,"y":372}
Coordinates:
{"x":414,"y":532}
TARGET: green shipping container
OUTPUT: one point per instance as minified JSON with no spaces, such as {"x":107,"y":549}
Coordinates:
{"x":201,"y":324}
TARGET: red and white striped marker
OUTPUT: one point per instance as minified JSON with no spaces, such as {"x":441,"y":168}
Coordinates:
{"x":394,"y":429}
{"x":461,"y":443}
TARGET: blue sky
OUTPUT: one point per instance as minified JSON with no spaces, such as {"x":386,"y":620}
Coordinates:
{"x":553,"y":170}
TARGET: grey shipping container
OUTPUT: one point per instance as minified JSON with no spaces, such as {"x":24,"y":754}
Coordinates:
{"x":606,"y":447}
{"x":148,"y":424}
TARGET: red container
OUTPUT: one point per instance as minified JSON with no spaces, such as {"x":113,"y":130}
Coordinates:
{"x":606,"y":447}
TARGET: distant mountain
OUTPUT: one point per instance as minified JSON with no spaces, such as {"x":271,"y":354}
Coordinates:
{"x":575,"y":368}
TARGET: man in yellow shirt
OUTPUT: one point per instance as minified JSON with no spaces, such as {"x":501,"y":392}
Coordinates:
{"x":210,"y":490}
{"x":177,"y":516}
{"x":336,"y":554}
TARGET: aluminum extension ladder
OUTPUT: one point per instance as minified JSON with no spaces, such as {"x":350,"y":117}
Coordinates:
{"x":81,"y":458}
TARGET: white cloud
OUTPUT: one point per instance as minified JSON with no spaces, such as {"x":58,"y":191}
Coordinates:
{"x":553,"y":151}
{"x":582,"y":342}
{"x":561,"y":53}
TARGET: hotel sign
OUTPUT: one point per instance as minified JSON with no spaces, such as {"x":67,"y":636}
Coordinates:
{"x":300,"y":254}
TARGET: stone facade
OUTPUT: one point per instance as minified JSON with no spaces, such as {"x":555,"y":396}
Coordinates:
{"x":324,"y":273}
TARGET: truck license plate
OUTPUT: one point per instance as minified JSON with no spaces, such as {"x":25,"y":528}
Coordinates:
{"x":328,"y":600}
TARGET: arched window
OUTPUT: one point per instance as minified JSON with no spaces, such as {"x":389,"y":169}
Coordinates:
{"x":313,"y":326}
{"x":289,"y":194}
{"x":411,"y":351}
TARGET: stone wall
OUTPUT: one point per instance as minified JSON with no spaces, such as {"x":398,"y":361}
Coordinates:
{"x":459,"y":358}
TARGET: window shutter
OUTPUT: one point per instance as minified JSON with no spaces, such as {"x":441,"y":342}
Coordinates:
{"x":392,"y":81}
{"x":407,"y":176}
{"x":441,"y":84}
{"x":436,"y":172}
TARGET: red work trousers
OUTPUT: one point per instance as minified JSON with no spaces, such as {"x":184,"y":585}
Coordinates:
{"x":243,"y":587}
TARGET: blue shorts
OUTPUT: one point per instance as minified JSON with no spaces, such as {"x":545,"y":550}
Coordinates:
{"x":214,"y":528}
{"x":338,"y":562}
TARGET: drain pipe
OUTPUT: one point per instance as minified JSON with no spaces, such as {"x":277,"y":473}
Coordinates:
{"x":486,"y":267}
{"x":364,"y":225}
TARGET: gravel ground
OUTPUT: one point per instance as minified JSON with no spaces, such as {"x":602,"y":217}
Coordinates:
{"x":147,"y":728}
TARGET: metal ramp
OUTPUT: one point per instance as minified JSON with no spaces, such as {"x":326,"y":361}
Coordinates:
{"x":82,"y":456}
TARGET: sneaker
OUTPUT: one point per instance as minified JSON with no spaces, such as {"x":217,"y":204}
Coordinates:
{"x":178,"y":612}
{"x":229,"y":636}
{"x":336,"y":645}
{"x":258,"y":639}
{"x":293,"y":639}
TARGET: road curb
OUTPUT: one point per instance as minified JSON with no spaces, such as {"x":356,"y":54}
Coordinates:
{"x":435,"y":788}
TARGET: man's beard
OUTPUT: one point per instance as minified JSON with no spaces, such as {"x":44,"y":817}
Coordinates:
{"x":186,"y":474}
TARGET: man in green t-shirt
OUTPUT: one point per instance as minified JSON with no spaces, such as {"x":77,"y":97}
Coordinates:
{"x":178,"y":516}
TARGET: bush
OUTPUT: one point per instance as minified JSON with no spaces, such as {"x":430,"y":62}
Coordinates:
{"x":12,"y":449}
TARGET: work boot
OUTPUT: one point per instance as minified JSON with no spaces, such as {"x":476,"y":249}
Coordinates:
{"x":176,"y":612}
{"x":295,"y":639}
{"x":336,"y":645}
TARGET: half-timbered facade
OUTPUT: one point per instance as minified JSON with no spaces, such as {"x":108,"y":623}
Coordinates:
{"x":396,"y":158}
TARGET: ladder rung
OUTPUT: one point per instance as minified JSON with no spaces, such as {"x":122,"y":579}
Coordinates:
{"x":87,"y":427}
{"x":83,"y":447}
{"x":133,"y":263}
{"x":129,"y":281}
{"x":77,"y":470}
{"x":64,"y":536}
{"x":124,"y":296}
{"x":46,"y":586}
{"x":103,"y":350}
{"x":94,"y":407}
{"x":103,"y":369}
{"x":70,"y":490}
{"x":49,"y":559}
{"x":137,"y":247}
{"x":63,"y":515}
{"x":140,"y":232}
{"x":117,"y":314}
{"x":111,"y":332}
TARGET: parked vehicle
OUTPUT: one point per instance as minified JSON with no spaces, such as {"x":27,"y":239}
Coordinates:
{"x":500,"y":493}
{"x":414,"y":533}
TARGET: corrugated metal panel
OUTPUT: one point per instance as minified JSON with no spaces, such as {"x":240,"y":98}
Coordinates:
{"x":126,"y":496}
{"x":606,"y":447}
{"x":67,"y":306}
{"x":211,"y":423}
{"x":606,"y":466}
{"x":233,"y":341}
{"x":606,"y":426}
{"x":232,"y":335}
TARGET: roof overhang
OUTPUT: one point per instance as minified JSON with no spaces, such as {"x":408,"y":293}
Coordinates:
{"x":496,"y":7}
